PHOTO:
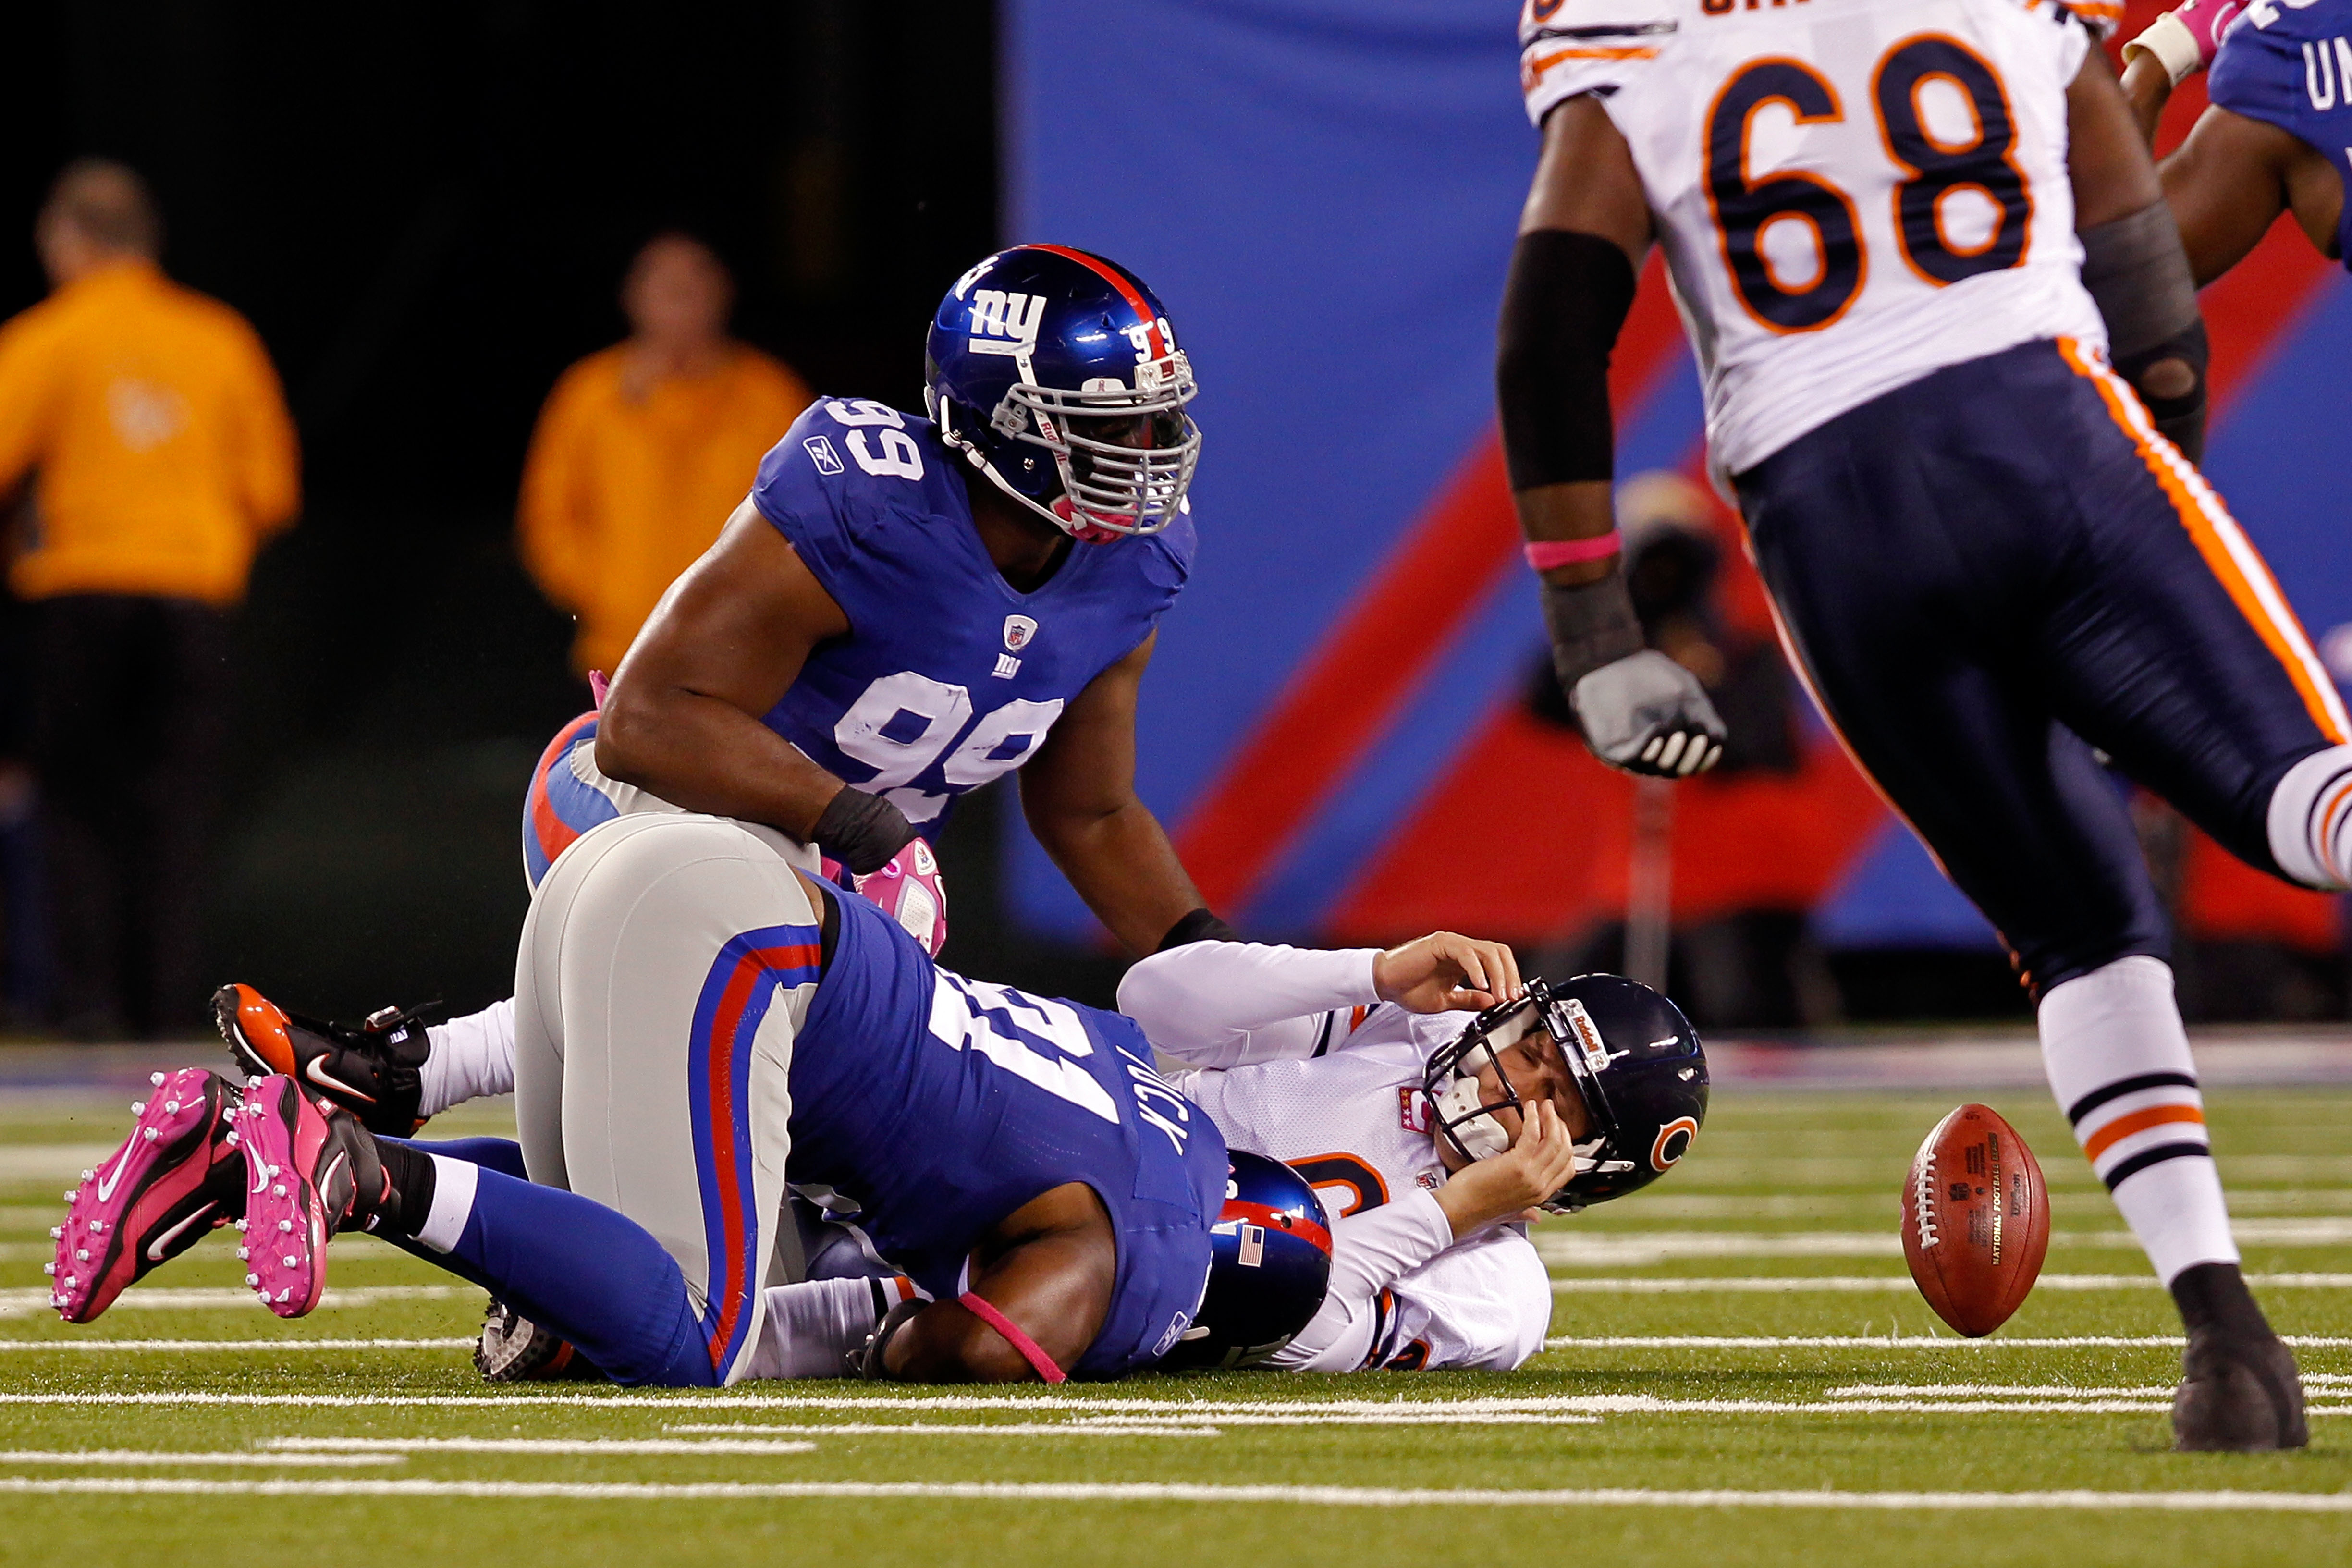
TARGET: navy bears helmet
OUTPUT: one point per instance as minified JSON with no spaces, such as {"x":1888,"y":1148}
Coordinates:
{"x":1633,"y":1057}
{"x":1269,"y":1265}
{"x":1056,"y":374}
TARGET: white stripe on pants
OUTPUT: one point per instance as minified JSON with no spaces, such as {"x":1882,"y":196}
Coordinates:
{"x":650,"y":951}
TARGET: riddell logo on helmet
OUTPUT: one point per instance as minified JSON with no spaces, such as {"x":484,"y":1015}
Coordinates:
{"x":1013,"y":318}
{"x":1588,"y":1034}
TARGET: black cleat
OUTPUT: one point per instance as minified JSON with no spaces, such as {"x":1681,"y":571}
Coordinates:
{"x":370,"y":1069}
{"x":2242,"y":1394}
{"x":513,"y":1349}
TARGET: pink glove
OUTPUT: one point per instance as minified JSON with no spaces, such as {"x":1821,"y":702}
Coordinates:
{"x":908,"y":890}
{"x":2185,"y":40}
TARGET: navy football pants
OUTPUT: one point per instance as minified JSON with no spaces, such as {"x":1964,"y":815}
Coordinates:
{"x":1987,"y":573}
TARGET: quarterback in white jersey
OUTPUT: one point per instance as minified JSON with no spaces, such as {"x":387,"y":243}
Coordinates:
{"x":1955,"y":374}
{"x":1299,"y":1058}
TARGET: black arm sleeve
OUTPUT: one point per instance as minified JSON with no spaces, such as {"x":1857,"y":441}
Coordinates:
{"x":1563,"y":305}
{"x":2140,"y":279}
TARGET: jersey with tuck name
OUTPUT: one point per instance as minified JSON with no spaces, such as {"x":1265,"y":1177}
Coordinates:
{"x":2290,"y":65}
{"x":949,"y":677}
{"x":947,"y":1103}
{"x":1850,"y":193}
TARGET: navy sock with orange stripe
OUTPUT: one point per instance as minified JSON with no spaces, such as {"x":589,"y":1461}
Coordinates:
{"x":2119,"y":1061}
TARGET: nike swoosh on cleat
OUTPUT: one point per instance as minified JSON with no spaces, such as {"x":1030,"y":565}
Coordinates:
{"x":106,"y":1184}
{"x":315,"y":1070}
{"x":155,"y":1247}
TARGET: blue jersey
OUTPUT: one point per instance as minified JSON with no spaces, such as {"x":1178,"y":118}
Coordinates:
{"x":2291,"y":66}
{"x":947,"y":1103}
{"x":948,"y":676}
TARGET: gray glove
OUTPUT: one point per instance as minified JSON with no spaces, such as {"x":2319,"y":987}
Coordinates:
{"x":1646,"y":714}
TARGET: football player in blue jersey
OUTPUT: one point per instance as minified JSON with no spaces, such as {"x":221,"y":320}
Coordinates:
{"x":905,"y":608}
{"x":2278,"y":135}
{"x":902,"y":610}
{"x":697,"y":1023}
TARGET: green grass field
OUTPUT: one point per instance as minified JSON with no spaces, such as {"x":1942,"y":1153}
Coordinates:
{"x":1745,"y":1331}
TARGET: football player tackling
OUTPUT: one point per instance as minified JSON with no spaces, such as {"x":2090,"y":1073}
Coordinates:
{"x":1905,"y":235}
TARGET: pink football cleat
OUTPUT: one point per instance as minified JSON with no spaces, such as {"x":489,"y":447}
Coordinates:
{"x":307,"y":1163}
{"x":175,"y":1177}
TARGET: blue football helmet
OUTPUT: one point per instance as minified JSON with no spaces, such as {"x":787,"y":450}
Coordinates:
{"x":1269,"y":1265}
{"x":1055,"y":373}
{"x":1633,"y":1059}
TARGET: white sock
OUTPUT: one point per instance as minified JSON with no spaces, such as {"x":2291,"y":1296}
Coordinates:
{"x":471,"y":1056}
{"x":2118,"y":1062}
{"x":2311,"y":819}
{"x":453,"y":1202}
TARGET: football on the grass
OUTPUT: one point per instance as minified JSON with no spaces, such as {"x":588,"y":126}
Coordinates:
{"x":1975,"y":1220}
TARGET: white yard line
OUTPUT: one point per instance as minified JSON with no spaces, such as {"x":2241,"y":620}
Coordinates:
{"x":177,"y":1346}
{"x":363,"y":1455}
{"x":1135,"y":1412}
{"x":326,"y":1445}
{"x":1799,"y":1283}
{"x":1565,"y":1247}
{"x":1178,"y":1425}
{"x":1990,"y":1390}
{"x":27,"y":1304}
{"x":1174,"y":1491}
{"x":1914,"y":1342}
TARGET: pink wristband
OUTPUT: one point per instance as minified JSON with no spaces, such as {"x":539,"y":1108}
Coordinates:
{"x":979,"y":1307}
{"x":1543,"y":555}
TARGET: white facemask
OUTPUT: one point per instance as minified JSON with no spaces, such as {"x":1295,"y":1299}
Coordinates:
{"x":1482,"y":1137}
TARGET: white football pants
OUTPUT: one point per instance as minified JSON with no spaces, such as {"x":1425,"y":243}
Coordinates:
{"x":666,"y":966}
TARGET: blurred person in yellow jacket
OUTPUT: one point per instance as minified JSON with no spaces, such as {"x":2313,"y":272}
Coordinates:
{"x":646,"y":448}
{"x":142,"y":428}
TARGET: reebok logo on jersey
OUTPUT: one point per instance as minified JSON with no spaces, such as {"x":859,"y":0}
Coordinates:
{"x":821,"y":453}
{"x":1013,"y":318}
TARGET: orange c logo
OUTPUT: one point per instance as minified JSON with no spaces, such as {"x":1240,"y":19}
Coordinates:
{"x":1674,"y":1141}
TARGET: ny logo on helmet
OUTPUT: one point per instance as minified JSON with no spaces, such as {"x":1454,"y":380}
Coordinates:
{"x":1013,"y":317}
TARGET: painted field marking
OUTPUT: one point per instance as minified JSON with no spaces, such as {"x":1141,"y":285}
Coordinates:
{"x":1989,"y":1391}
{"x":176,"y":1346}
{"x":1176,"y":1425}
{"x":1799,"y":1283}
{"x":329,"y":1446}
{"x":1175,"y":1491}
{"x":1152,"y":1426}
{"x":1914,"y":1342}
{"x":26,"y":1303}
{"x":361,"y":1456}
{"x":47,"y":1162}
{"x":1564,"y":1248}
{"x":1142,"y":1412}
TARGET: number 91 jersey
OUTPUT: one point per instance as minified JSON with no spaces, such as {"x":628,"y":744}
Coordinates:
{"x":949,"y":677}
{"x":1850,"y":193}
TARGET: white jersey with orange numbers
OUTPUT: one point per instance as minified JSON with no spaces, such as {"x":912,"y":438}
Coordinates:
{"x":1850,"y":193}
{"x":1301,"y":1062}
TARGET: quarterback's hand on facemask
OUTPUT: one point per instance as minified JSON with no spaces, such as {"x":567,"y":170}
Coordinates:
{"x":1512,"y":1184}
{"x":1646,"y":714}
{"x":1442,"y":973}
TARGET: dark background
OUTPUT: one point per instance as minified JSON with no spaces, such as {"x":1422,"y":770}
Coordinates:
{"x":425,"y":210}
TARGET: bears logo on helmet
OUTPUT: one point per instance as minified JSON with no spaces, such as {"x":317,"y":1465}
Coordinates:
{"x":1057,"y":373}
{"x":1631,"y":1057}
{"x":1269,"y":1265}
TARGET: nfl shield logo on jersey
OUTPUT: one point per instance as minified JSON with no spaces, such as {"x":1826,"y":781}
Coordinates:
{"x":1018,"y":632}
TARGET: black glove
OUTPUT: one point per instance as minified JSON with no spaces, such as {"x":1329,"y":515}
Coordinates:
{"x":862,"y":831}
